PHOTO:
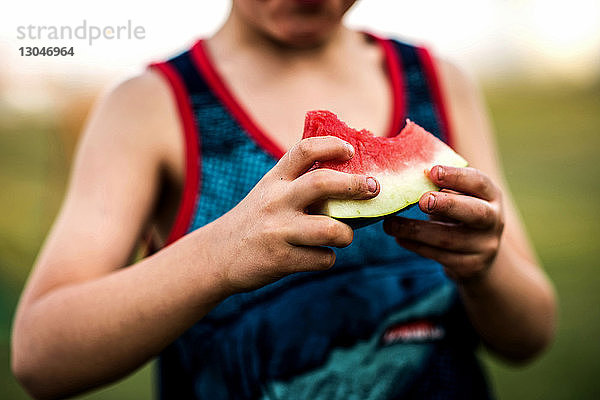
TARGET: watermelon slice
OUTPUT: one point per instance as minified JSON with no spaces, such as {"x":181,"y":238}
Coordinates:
{"x":398,"y":163}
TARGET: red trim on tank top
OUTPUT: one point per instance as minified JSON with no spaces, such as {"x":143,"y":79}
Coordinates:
{"x":396,"y":76}
{"x":436,"y":89}
{"x":217,"y":83}
{"x":192,"y":144}
{"x":208,"y":70}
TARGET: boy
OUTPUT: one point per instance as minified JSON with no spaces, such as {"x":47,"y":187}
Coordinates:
{"x":242,"y":300}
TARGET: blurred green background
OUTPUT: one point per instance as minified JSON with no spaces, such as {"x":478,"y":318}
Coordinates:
{"x":549,"y":137}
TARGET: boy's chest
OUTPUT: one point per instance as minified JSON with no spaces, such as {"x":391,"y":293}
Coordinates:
{"x":280,"y":107}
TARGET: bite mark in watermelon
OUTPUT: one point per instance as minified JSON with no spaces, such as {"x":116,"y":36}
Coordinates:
{"x":398,"y":163}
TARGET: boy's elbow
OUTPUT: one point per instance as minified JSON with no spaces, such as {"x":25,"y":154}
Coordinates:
{"x":25,"y":366}
{"x":538,"y":340}
{"x":548,"y":316}
{"x":525,"y":353}
{"x":25,"y":376}
{"x":30,"y":377}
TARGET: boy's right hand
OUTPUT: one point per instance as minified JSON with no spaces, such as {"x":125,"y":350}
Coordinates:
{"x":269,"y":234}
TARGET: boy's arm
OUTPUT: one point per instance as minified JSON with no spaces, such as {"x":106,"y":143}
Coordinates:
{"x":476,"y":234}
{"x":78,"y":300}
{"x":514,"y":306}
{"x":84,"y":320}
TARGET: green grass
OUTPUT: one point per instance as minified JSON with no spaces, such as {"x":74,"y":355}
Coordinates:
{"x":549,"y":138}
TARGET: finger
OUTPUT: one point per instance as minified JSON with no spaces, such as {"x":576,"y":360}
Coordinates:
{"x":311,"y":258}
{"x":319,"y":230}
{"x":465,"y":180}
{"x":473,"y":211}
{"x":440,"y":218}
{"x":306,"y":152}
{"x":432,"y":233}
{"x":456,"y":265}
{"x":327,"y":183}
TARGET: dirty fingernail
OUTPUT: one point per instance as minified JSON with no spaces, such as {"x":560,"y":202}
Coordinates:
{"x":350,"y":149}
{"x":440,"y":173}
{"x":372,"y":184}
{"x":431,"y":202}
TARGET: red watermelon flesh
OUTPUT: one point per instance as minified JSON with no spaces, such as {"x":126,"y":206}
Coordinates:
{"x":398,"y":163}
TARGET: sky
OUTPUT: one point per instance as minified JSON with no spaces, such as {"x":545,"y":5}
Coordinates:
{"x":491,"y":38}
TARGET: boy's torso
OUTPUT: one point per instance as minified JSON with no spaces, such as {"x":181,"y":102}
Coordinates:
{"x":277,"y":98}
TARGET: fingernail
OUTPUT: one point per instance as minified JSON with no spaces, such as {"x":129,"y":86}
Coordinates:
{"x":372,"y":184}
{"x":431,"y":202}
{"x":350,"y":149}
{"x":440,"y":173}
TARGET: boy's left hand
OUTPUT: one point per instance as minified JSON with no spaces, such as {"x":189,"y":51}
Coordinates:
{"x":466,"y":223}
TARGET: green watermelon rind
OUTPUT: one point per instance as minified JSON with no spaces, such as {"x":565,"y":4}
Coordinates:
{"x":397,"y":191}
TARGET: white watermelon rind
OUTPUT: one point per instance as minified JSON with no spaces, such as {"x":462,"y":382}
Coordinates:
{"x":396,"y":190}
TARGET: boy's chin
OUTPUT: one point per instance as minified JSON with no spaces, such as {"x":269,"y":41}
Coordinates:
{"x":301,"y":43}
{"x":302,"y":39}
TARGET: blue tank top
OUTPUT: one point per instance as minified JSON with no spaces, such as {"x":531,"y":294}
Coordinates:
{"x":383,"y":323}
